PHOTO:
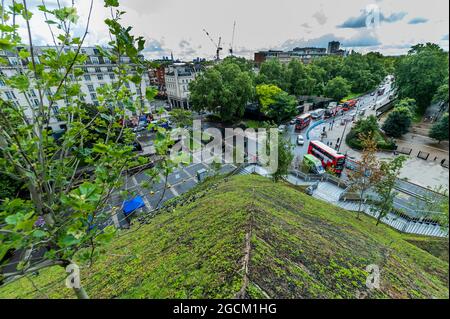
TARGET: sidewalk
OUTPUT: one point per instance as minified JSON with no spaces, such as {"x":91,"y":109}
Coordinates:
{"x":427,"y":173}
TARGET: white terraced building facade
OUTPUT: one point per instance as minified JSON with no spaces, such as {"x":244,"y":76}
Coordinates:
{"x":98,"y":71}
{"x":177,"y":77}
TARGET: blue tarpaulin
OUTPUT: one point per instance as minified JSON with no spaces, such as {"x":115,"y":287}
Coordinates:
{"x":129,"y":206}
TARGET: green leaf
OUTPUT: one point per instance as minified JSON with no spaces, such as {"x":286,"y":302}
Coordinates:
{"x":39,"y":233}
{"x":68,"y":240}
{"x":12,"y":219}
{"x":100,"y":148}
{"x":24,"y":54}
{"x":111,"y":3}
{"x":150,"y":93}
{"x":6,"y":45}
{"x":20,"y":82}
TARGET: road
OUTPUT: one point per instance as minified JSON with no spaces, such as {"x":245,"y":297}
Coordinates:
{"x":366,"y":103}
{"x":428,"y":174}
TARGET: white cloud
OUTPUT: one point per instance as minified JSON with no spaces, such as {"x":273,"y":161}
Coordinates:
{"x":261,"y":24}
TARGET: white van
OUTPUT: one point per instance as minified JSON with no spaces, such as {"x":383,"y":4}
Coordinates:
{"x":317,"y":113}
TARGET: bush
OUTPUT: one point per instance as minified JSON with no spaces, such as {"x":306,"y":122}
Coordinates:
{"x":398,"y":122}
{"x":386,"y":145}
{"x":383,"y":143}
{"x":8,"y":187}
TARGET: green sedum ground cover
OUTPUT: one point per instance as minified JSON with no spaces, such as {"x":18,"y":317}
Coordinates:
{"x":295,"y":247}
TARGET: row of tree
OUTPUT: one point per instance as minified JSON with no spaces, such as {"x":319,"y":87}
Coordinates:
{"x":331,"y":76}
{"x":380,"y":178}
{"x":421,"y":80}
{"x":226,"y":88}
{"x":422,"y":75}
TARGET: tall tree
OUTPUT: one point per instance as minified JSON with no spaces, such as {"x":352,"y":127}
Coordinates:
{"x":273,"y":72}
{"x":421,"y":73}
{"x":182,"y":118}
{"x":437,"y":205}
{"x":383,"y":204}
{"x":398,"y":122}
{"x":300,"y":81}
{"x":441,"y":95}
{"x":224,"y":90}
{"x":285,"y":158}
{"x":337,"y":88}
{"x":439,"y":131}
{"x":331,"y":65}
{"x":367,"y":173}
{"x":275,"y":103}
{"x":69,"y":182}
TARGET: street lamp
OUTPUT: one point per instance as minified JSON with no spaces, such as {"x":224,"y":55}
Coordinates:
{"x":343,"y":134}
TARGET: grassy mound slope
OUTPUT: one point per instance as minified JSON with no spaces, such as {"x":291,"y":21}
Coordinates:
{"x":252,"y":238}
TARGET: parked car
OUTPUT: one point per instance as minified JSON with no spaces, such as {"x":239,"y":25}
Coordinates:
{"x":292,"y":122}
{"x":282,"y":128}
{"x":300,"y":140}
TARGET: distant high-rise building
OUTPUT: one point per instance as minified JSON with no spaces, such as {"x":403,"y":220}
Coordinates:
{"x":334,"y":47}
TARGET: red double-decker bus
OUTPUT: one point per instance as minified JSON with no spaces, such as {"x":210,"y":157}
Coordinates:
{"x":302,"y":122}
{"x":330,"y":158}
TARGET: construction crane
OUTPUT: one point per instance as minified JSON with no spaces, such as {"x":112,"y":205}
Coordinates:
{"x":216,"y":45}
{"x":232,"y":39}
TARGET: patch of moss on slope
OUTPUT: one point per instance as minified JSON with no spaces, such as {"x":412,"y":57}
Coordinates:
{"x":299,"y":248}
{"x":436,"y":247}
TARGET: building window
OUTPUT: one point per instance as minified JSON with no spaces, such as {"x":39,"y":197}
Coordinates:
{"x":107,"y":61}
{"x":85,"y":69}
{"x":110,"y":69}
{"x":100,"y":76}
{"x":87,"y":77}
{"x":93,"y":96}
{"x":98,"y":70}
{"x":10,"y":95}
{"x":112,"y":76}
{"x":13,"y":61}
{"x":91,"y":88}
{"x":94,"y":60}
{"x":96,"y":52}
{"x":2,"y":83}
{"x":36,"y":102}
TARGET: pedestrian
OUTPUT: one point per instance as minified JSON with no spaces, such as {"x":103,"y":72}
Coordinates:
{"x":435,"y":159}
{"x":443,"y":161}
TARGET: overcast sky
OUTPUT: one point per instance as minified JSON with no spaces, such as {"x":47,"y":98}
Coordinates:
{"x":177,"y":25}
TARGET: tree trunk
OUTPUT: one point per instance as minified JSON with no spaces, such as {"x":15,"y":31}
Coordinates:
{"x":360,"y":204}
{"x":81,"y":293}
{"x":378,"y":219}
